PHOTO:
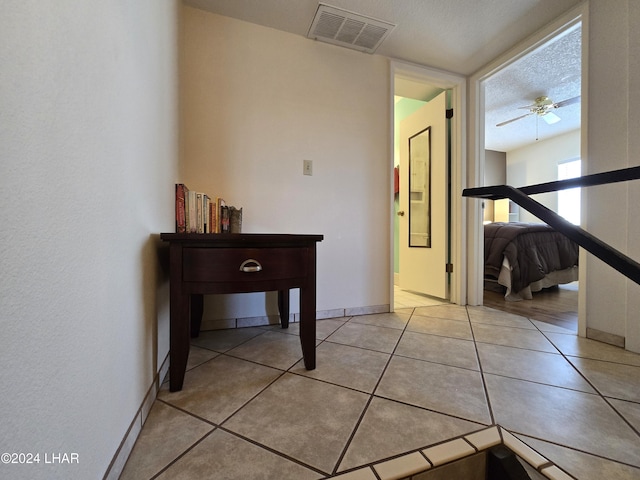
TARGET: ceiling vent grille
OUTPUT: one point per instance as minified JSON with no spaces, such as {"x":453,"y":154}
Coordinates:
{"x":348,"y":29}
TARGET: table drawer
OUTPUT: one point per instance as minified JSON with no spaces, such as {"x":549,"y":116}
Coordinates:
{"x":243,"y":264}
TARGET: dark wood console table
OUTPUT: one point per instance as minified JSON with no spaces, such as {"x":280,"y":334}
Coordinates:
{"x":209,"y":263}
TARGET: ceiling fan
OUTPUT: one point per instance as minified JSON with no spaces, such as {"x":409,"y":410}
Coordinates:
{"x":543,"y":107}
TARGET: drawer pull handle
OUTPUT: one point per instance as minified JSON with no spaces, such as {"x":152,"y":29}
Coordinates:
{"x":250,"y":265}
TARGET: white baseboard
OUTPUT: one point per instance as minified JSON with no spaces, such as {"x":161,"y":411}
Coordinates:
{"x":605,"y":337}
{"x":126,"y":446}
{"x":294,"y":317}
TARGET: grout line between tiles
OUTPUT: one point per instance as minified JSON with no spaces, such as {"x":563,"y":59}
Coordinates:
{"x":517,"y":348}
{"x":200,"y":364}
{"x":421,"y":451}
{"x":272,"y":450}
{"x":437,"y":363}
{"x":353,"y":433}
{"x":585,"y":452}
{"x":375,"y":473}
{"x":353,"y":389}
{"x":355,"y":346}
{"x":263,"y":331}
{"x":564,"y":356}
{"x":176,"y":459}
{"x":480,"y":424}
{"x":220,"y":426}
{"x":484,"y":382}
{"x":282,"y":374}
{"x":431,"y":465}
{"x":597,"y":390}
{"x":369,"y":400}
{"x":191,"y":414}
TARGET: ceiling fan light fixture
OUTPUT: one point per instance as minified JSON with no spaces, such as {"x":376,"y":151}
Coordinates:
{"x":542,"y":107}
{"x":550,"y":118}
{"x":543,"y":101}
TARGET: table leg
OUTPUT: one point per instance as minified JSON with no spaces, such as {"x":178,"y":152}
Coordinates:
{"x":308,"y":326}
{"x":283,"y":307}
{"x":179,"y":343}
{"x":197,"y":307}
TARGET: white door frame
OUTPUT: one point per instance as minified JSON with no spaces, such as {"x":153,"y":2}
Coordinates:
{"x":475,"y":254}
{"x":457,"y":84}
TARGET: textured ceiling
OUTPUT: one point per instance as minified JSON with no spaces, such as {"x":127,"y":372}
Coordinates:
{"x":459,"y":36}
{"x":553,"y":70}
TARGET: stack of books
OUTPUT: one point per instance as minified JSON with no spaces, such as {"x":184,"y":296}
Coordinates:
{"x":197,"y":212}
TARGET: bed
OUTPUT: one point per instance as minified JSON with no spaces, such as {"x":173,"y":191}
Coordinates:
{"x":527,"y":257}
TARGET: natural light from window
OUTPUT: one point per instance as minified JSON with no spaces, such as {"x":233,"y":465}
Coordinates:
{"x":569,"y":200}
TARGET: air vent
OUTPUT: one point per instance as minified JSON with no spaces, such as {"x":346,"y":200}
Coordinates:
{"x":348,"y":29}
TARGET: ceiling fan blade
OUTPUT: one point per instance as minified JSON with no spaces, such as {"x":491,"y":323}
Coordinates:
{"x":551,"y":118}
{"x":568,"y":101}
{"x":514,"y":119}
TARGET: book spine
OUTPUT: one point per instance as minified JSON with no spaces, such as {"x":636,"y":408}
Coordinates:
{"x":197,"y":212}
{"x":180,"y":208}
{"x":235,"y":220}
{"x":224,"y":224}
{"x":205,"y":213}
{"x":220,"y":204}
{"x":192,"y":219}
{"x":199,"y":221}
{"x":212,"y":217}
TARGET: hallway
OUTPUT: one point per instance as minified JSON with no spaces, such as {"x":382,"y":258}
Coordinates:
{"x":388,"y":385}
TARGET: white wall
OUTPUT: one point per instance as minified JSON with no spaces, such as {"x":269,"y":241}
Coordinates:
{"x":538,"y":163}
{"x":632,"y":328}
{"x":255,"y":103}
{"x":495,"y":168}
{"x":613,"y":126}
{"x":88,"y":149}
{"x":495,"y":173}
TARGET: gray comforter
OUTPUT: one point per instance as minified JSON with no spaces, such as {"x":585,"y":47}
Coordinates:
{"x":533,"y":251}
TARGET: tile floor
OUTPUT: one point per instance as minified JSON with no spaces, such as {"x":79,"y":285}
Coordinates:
{"x":389,"y":384}
{"x":404,"y":299}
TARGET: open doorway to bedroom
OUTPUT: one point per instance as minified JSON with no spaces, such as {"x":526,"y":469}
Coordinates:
{"x":532,"y":134}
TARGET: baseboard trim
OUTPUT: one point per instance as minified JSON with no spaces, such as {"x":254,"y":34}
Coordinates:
{"x":605,"y":337}
{"x":135,"y":427}
{"x":221,"y":324}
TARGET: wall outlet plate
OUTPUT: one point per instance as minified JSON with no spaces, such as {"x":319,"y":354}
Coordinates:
{"x":307,"y":167}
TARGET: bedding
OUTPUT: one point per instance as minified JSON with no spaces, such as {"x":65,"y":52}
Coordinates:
{"x":526,"y":257}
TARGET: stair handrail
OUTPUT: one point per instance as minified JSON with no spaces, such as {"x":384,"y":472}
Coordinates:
{"x":611,"y":256}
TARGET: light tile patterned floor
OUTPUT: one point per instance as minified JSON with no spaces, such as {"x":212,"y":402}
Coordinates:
{"x":405,"y":299}
{"x":390,"y":384}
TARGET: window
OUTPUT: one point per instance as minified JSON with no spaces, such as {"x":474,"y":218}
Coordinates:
{"x":569,"y":200}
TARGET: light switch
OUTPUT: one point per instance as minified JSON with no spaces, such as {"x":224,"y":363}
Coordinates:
{"x":307,"y":167}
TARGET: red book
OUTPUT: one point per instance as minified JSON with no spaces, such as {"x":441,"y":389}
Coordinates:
{"x":181,"y":193}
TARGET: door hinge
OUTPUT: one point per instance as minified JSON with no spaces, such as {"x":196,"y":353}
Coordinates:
{"x":450,"y":113}
{"x":449,"y":268}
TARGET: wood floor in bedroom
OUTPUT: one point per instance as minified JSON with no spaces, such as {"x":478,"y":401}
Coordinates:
{"x":558,"y":306}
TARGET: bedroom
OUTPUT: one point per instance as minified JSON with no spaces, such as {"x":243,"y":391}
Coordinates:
{"x":525,"y":146}
{"x":531,"y":149}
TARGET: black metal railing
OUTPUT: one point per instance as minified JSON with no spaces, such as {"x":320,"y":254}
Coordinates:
{"x":612,"y":257}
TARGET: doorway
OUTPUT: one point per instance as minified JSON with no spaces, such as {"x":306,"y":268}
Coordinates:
{"x":547,"y":44}
{"x":415,"y":83}
{"x":424,"y":199}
